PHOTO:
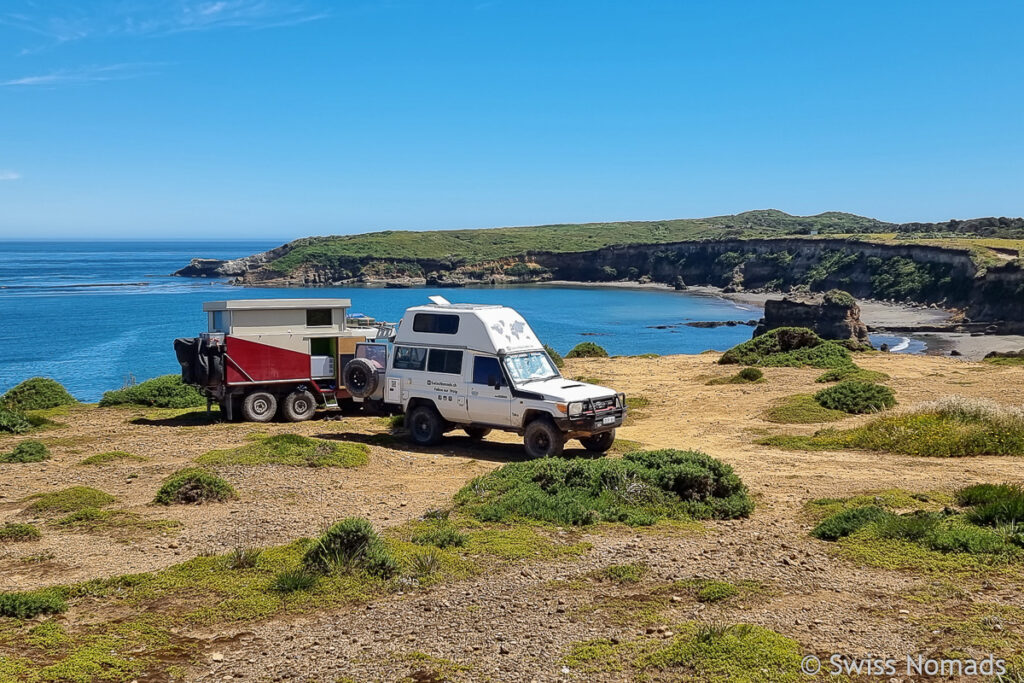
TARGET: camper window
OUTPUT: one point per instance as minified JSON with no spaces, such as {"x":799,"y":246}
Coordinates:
{"x":409,"y":358}
{"x":318,"y":317}
{"x":220,"y":322}
{"x":445,"y":360}
{"x":435,"y":323}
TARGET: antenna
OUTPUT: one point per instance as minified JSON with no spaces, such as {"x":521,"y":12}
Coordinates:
{"x":439,"y":301}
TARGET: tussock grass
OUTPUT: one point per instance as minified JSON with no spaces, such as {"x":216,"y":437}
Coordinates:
{"x":639,"y":489}
{"x":852,"y":372}
{"x":15,"y":532}
{"x":744,"y":376}
{"x":92,"y":519}
{"x":625,"y":573}
{"x":26,"y":452}
{"x":112,"y":456}
{"x":800,"y":409}
{"x":291,"y":449}
{"x":194,"y":485}
{"x":70,"y":499}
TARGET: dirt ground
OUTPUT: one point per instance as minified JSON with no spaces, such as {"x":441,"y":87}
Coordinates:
{"x":518,"y":624}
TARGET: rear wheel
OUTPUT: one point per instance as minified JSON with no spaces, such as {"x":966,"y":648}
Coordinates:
{"x":259,"y":406}
{"x":599,"y":443}
{"x":425,"y":425}
{"x":298,"y":406}
{"x":542,"y":439}
{"x":477,"y":433}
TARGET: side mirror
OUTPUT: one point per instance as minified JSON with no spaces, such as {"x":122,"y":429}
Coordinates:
{"x":494,"y":381}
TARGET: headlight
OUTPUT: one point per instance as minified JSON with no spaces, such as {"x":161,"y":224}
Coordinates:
{"x":575,"y":408}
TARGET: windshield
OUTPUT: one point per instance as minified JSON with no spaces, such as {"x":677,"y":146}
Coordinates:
{"x":530,"y":367}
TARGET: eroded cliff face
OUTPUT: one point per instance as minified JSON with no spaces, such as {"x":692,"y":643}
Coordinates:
{"x":830,"y":316}
{"x":899,"y":272}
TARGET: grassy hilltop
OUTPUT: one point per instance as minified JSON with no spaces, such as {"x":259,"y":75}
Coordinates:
{"x":475,"y":246}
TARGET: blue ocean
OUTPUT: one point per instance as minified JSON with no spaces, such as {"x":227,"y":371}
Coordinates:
{"x":95,"y":315}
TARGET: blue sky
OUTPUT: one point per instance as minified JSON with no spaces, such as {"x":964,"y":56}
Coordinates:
{"x":284,"y":118}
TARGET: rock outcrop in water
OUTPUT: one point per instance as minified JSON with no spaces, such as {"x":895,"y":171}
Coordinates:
{"x":833,"y":315}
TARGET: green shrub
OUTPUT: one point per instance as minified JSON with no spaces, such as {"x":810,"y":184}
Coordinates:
{"x":167,"y":391}
{"x":442,"y":534}
{"x":744,"y":376}
{"x":853,"y":396}
{"x":987,"y":493}
{"x":293,"y":580}
{"x":800,"y":409}
{"x":638,"y":489}
{"x":788,"y":347}
{"x":111,"y":456}
{"x":838,"y":297}
{"x":715,"y":591}
{"x":851,"y":372}
{"x":30,"y":604}
{"x":291,"y":449}
{"x":625,"y":573}
{"x":37,"y":393}
{"x":71,"y":499}
{"x":26,"y":451}
{"x":194,"y":485}
{"x":587,"y":350}
{"x":13,"y":532}
{"x":1006,"y":510}
{"x":845,"y":522}
{"x":348,"y":545}
{"x":556,"y":357}
{"x":13,"y":422}
{"x":915,"y":526}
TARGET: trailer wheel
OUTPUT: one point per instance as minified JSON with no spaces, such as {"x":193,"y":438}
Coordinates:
{"x":477,"y":433}
{"x":259,"y":406}
{"x":298,"y":406}
{"x":599,"y":443}
{"x":542,"y":439}
{"x":425,"y":425}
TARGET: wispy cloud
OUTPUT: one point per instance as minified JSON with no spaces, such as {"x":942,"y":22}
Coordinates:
{"x":87,"y":74}
{"x":61,"y":21}
{"x":9,"y":175}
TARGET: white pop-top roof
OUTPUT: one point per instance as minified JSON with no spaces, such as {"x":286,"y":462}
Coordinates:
{"x":274,"y":304}
{"x":482,"y":327}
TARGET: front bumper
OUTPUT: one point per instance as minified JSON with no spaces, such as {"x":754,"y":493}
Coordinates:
{"x":595,"y":420}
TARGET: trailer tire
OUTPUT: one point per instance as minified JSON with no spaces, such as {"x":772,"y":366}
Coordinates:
{"x":599,"y":443}
{"x":259,"y":406}
{"x":298,"y":406}
{"x":477,"y":433}
{"x":361,"y":377}
{"x":542,"y":439}
{"x":425,"y":425}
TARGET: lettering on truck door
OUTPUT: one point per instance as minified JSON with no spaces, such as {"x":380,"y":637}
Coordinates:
{"x":444,"y":383}
{"x":490,"y":399}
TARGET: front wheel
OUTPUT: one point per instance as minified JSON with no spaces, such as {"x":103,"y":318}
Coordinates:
{"x":259,"y":406}
{"x":542,"y":439}
{"x":425,"y":425}
{"x":599,"y":443}
{"x":298,"y":406}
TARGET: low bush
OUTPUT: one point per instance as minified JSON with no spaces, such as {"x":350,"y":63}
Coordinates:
{"x":244,"y":557}
{"x":950,"y":427}
{"x":625,"y":573}
{"x":851,"y":372}
{"x":349,"y":545}
{"x":26,"y":451}
{"x":845,"y":522}
{"x":440,"y":533}
{"x":30,"y":604}
{"x":800,"y":409}
{"x":13,"y":422}
{"x":744,"y":376}
{"x":37,"y":393}
{"x":556,"y":357}
{"x":166,"y":391}
{"x":111,"y":456}
{"x":979,"y":494}
{"x":291,"y":449}
{"x":14,"y":532}
{"x":194,"y":485}
{"x":838,"y":297}
{"x":70,"y":499}
{"x":856,"y":397}
{"x":639,"y":489}
{"x":715,"y":591}
{"x":587,"y":350}
{"x":788,"y":347}
{"x":425,"y":563}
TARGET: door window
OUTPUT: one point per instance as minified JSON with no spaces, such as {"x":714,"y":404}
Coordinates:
{"x":486,"y":370}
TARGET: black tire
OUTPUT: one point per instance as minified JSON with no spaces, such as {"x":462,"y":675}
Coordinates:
{"x":425,"y":425}
{"x":477,"y":433}
{"x":298,"y":406}
{"x":259,"y":406}
{"x":542,"y":439}
{"x":361,"y":377}
{"x":599,"y":443}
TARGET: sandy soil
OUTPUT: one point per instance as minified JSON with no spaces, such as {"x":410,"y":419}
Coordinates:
{"x":517,"y":625}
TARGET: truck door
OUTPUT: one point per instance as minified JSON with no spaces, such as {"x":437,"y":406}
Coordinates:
{"x":490,"y":399}
{"x":444,"y":384}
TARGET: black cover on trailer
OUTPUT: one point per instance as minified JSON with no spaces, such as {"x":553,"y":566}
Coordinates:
{"x":202,"y":363}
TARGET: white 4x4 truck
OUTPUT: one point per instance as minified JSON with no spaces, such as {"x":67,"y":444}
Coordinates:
{"x":477,"y":368}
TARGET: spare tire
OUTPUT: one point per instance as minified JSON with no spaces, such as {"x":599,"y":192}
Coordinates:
{"x":361,"y":377}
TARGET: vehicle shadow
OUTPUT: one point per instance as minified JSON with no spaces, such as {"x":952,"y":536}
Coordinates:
{"x":462,"y":446}
{"x":193,"y":419}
